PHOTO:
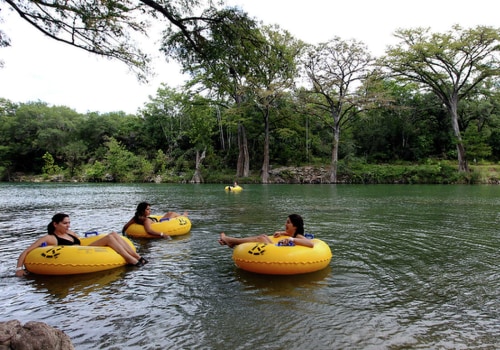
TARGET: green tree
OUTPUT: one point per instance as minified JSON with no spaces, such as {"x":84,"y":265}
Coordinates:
{"x":271,"y":78}
{"x":291,"y":133}
{"x":7,"y":107}
{"x":221,"y":66}
{"x":74,"y":153}
{"x":95,"y":128}
{"x":335,"y":70}
{"x":451,"y":65}
{"x":95,"y":172}
{"x":164,"y":122}
{"x":122,"y":165}
{"x":199,"y":130}
{"x":57,"y":128}
{"x":114,"y":28}
{"x":21,"y":131}
{"x":7,"y":112}
{"x":476,"y":142}
{"x":50,"y":168}
{"x":410,"y":126}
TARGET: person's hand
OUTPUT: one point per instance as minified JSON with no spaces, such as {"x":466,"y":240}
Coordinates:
{"x":164,"y":236}
{"x":287,"y":242}
{"x":21,"y":273}
{"x":278,"y":234}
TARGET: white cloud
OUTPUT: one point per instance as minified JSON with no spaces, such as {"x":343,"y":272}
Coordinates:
{"x":38,"y":68}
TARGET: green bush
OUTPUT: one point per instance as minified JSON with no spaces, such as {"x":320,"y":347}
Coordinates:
{"x":94,"y":172}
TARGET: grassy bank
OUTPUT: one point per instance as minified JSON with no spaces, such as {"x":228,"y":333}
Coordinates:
{"x":437,"y":172}
{"x":360,"y":173}
{"x":430,"y":173}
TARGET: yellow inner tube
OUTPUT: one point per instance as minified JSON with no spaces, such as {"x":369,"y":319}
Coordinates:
{"x":177,"y":226}
{"x":233,"y":188}
{"x":267,"y":258}
{"x":74,"y":259}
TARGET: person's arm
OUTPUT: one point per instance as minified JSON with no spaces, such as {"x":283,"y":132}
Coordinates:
{"x":280,"y":233}
{"x":299,"y":240}
{"x":50,"y":240}
{"x":126,"y":226}
{"x":149,"y":229}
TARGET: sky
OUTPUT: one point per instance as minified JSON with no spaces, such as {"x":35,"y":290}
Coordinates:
{"x":37,"y":68}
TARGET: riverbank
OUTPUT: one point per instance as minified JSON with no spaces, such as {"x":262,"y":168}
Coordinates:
{"x":361,"y":173}
{"x":440,"y":173}
{"x":358,"y":173}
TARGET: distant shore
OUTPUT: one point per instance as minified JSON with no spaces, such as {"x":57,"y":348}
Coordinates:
{"x":435,"y":173}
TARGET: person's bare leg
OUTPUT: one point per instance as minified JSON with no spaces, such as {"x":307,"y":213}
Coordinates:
{"x":120,"y":246}
{"x":173,"y":214}
{"x":233,"y":241}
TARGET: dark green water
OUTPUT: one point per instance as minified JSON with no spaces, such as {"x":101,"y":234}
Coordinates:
{"x":414,"y":267}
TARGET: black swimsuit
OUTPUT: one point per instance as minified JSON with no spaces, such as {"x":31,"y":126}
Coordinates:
{"x":63,"y":241}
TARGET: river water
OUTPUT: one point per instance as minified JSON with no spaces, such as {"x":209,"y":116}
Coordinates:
{"x":413,"y":267}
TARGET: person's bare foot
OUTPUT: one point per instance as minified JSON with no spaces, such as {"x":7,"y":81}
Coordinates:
{"x":221,"y":239}
{"x":225,"y":240}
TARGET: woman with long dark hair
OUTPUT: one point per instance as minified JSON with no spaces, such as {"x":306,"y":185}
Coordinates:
{"x":142,"y":217}
{"x":294,"y":232}
{"x":58,"y":233}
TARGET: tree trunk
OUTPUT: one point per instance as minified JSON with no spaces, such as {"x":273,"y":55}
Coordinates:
{"x":265,"y":163}
{"x":335,"y":154}
{"x":462,"y":158}
{"x":243,"y":167}
{"x":197,"y":177}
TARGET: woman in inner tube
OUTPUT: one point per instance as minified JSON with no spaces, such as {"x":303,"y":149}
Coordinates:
{"x":294,"y":233}
{"x":142,"y":217}
{"x":58,"y":233}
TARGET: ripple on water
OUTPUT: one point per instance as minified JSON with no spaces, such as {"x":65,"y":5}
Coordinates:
{"x":412,"y":267}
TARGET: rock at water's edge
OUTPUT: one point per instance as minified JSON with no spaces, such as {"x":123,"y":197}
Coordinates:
{"x":32,"y":336}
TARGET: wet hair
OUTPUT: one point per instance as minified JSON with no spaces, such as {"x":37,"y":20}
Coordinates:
{"x":59,"y":217}
{"x":298,"y":222}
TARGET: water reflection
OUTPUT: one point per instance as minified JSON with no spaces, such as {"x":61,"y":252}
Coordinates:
{"x":75,"y":286}
{"x":283,"y":285}
{"x":412,"y":267}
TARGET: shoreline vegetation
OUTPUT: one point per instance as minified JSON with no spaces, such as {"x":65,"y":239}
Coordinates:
{"x":431,"y":173}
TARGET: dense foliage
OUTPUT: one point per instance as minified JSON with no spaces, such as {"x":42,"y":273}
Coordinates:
{"x":161,"y":143}
{"x":258,"y":99}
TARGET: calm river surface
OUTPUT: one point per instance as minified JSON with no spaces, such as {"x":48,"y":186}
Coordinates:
{"x":413,"y":267}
